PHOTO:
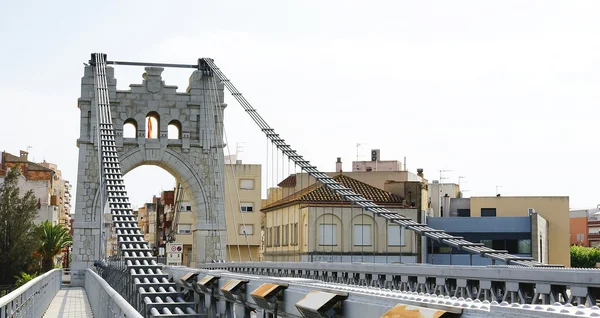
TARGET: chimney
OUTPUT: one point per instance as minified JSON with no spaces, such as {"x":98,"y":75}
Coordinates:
{"x":23,"y":154}
{"x":420,"y":172}
{"x":338,"y":165}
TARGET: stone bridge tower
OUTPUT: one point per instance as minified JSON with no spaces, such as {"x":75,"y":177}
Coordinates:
{"x":194,"y":156}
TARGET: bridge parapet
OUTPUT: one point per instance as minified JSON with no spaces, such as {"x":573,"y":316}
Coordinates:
{"x":33,"y":298}
{"x":294,"y":297}
{"x":514,"y":284}
{"x":104,"y":300}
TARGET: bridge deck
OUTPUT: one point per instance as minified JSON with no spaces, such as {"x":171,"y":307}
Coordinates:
{"x":70,"y":302}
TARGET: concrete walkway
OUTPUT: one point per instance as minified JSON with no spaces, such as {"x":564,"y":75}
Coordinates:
{"x":69,"y":302}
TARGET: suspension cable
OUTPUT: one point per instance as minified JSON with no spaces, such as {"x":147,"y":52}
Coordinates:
{"x":233,"y":173}
{"x":438,"y":235}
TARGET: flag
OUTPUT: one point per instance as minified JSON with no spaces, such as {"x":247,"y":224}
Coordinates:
{"x":149,"y":127}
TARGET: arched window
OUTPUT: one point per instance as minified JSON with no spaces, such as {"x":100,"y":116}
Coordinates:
{"x":152,"y":125}
{"x":174,"y":130}
{"x":130,"y":128}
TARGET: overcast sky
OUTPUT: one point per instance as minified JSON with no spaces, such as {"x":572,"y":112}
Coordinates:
{"x":503,"y":93}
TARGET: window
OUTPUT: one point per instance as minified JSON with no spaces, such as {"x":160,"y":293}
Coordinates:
{"x":174,"y":130}
{"x":269,"y":237}
{"x":246,"y":207}
{"x":362,"y":235}
{"x":152,"y":125}
{"x":524,"y":246}
{"x":395,"y":235}
{"x":286,"y":234}
{"x":463,"y":212}
{"x":247,"y":184}
{"x":327,"y":234}
{"x":130,"y":129}
{"x":488,"y":212}
{"x":277,"y":235}
{"x":295,"y":234}
{"x":246,"y":229}
{"x":184,"y":228}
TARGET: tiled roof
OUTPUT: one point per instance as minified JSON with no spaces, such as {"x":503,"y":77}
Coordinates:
{"x":290,"y":181}
{"x":320,"y":194}
{"x":10,"y":158}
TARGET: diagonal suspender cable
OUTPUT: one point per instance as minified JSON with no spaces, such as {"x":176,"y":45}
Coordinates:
{"x":233,"y":175}
{"x":208,"y":64}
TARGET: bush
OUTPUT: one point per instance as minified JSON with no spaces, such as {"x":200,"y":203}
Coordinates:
{"x":584,"y":257}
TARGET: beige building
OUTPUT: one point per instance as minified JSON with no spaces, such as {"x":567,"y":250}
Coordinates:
{"x":61,"y":194}
{"x":315,"y":224}
{"x":242,"y":215}
{"x":242,"y":211}
{"x":439,"y":197}
{"x":183,"y":225}
{"x":555,"y":210}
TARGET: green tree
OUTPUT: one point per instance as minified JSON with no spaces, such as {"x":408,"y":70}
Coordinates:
{"x":23,"y":278}
{"x":53,"y":238}
{"x":584,"y":257}
{"x":17,"y":231}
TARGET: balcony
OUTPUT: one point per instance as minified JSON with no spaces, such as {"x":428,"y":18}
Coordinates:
{"x":594,"y":236}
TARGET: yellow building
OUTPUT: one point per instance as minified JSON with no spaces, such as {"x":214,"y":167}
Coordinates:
{"x":242,"y":211}
{"x":184,"y":223}
{"x":315,"y":224}
{"x":554,"y":209}
{"x":242,"y":216}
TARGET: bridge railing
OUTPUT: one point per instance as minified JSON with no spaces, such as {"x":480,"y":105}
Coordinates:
{"x":33,"y":298}
{"x":514,"y":284}
{"x":104,"y":300}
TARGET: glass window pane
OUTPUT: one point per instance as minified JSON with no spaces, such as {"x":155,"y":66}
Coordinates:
{"x":362,"y":234}
{"x":327,"y":234}
{"x":247,"y":184}
{"x":525,"y":246}
{"x":395,"y":235}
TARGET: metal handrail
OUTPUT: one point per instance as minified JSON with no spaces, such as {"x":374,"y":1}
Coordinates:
{"x":104,"y":300}
{"x":33,"y":298}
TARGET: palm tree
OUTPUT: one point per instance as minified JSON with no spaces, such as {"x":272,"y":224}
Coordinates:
{"x":54,"y":238}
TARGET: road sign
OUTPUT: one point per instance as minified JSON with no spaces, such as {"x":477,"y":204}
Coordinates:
{"x":174,"y":248}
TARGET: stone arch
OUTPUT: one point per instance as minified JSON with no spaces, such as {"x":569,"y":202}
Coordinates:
{"x":177,"y":166}
{"x":174,"y":129}
{"x":130,"y":128}
{"x":152,"y":122}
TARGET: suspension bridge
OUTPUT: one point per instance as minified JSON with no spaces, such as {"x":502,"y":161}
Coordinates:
{"x":131,"y":283}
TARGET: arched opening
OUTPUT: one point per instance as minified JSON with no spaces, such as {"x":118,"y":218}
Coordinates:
{"x":130,"y":128}
{"x":329,"y":233}
{"x":174,"y":130}
{"x":152,"y":125}
{"x":364,"y":233}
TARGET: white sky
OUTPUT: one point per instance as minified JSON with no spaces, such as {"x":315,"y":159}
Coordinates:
{"x":504,"y":93}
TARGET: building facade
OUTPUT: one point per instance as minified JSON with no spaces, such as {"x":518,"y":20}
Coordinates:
{"x":243,"y":184}
{"x":513,"y":234}
{"x":45,"y":180}
{"x":584,"y":225}
{"x":549,"y":231}
{"x":314,"y":224}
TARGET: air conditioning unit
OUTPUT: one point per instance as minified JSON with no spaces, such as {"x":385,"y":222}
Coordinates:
{"x":375,"y":155}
